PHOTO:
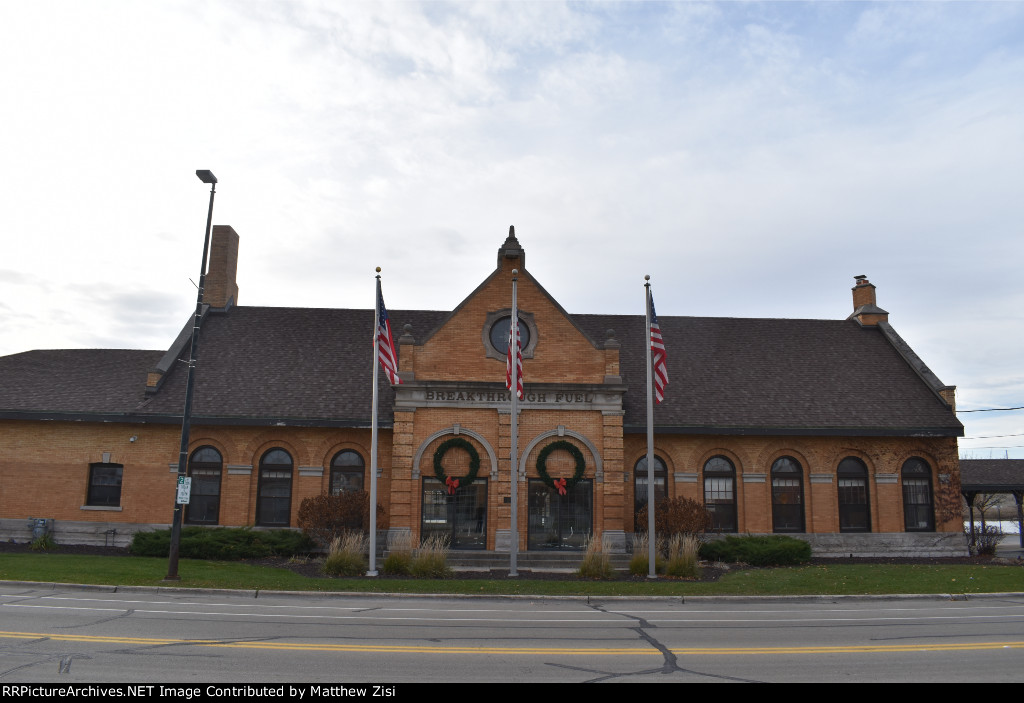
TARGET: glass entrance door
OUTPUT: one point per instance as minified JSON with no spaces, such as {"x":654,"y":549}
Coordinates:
{"x":461,"y":517}
{"x":557,"y":521}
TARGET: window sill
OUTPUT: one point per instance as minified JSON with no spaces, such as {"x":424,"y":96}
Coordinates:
{"x":112,"y":508}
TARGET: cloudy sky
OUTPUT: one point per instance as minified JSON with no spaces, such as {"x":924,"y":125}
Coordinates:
{"x":751,"y":157}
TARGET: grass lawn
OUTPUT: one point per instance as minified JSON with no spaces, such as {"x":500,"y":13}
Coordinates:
{"x":834,"y":579}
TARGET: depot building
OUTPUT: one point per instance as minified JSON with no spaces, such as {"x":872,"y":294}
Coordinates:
{"x":830,"y":430}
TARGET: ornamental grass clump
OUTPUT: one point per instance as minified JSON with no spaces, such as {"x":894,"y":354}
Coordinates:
{"x":43,"y":543}
{"x":596,"y":564}
{"x":347,"y":555}
{"x":683,"y":557}
{"x":399,"y":559}
{"x":639,"y":563}
{"x":431,"y":559}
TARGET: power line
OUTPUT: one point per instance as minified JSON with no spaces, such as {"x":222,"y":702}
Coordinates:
{"x":995,"y":436}
{"x":989,"y":410}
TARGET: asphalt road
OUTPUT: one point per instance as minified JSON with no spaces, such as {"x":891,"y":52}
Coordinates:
{"x":73,"y":635}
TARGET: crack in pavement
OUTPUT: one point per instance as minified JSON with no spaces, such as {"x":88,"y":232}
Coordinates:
{"x":126,"y":613}
{"x":670,"y":664}
{"x":63,"y":666}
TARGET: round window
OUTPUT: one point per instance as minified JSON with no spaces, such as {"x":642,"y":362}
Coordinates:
{"x":500,"y":331}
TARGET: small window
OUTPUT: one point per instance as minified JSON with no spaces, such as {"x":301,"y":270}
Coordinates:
{"x":274,"y":492}
{"x":720,"y":493}
{"x":640,"y":486}
{"x":787,"y":495}
{"x":205,"y":468}
{"x":347,"y":472}
{"x":105,"y":485}
{"x":918,"y":509}
{"x":854,"y":508}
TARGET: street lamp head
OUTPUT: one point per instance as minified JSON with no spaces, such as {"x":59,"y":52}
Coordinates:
{"x":206,"y":176}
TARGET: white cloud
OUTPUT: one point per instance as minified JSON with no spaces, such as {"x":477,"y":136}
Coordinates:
{"x":751,"y":157}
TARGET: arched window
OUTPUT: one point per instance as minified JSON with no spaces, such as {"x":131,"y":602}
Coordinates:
{"x":640,"y":485}
{"x":720,"y":493}
{"x":205,"y":467}
{"x":918,"y":510}
{"x":787,"y":495}
{"x":347,"y":472}
{"x":854,"y":506}
{"x":274,"y":492}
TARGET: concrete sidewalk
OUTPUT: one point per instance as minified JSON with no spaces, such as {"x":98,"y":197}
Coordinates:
{"x":1009,"y":548}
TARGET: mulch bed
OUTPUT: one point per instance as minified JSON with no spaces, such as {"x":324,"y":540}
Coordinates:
{"x":311,"y":567}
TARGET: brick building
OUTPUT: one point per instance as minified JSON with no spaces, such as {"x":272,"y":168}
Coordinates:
{"x":833,"y":430}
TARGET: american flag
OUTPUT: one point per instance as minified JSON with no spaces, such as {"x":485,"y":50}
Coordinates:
{"x":658,"y":357}
{"x":514,"y":333}
{"x":385,"y":342}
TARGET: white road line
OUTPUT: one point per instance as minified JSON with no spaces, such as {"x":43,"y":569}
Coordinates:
{"x":454,"y":616}
{"x":376,"y":615}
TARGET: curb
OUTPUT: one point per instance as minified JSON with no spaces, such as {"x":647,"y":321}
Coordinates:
{"x":256,"y":594}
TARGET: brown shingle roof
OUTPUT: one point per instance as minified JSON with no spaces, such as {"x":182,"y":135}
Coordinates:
{"x":74,"y":380}
{"x":311,"y":366}
{"x":287,"y":364}
{"x":736,"y":374}
{"x":992,"y":475}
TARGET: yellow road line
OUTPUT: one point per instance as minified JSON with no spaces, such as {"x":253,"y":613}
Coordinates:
{"x":546,"y":651}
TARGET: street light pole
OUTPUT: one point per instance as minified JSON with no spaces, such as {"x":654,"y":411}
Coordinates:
{"x":186,"y":415}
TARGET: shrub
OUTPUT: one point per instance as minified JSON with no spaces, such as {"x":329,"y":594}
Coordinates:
{"x":676,"y":516}
{"x":774,"y":550}
{"x":327,"y":516}
{"x":347,"y":555}
{"x":222,"y":543}
{"x":640,"y":562}
{"x":431,"y":560}
{"x":985,"y":539}
{"x":682,"y":557}
{"x":596,"y":564}
{"x":43,"y":543}
{"x":399,"y":559}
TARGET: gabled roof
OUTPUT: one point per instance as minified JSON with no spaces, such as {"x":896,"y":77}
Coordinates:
{"x":777,"y":376}
{"x":287,"y":366}
{"x":312,"y":366}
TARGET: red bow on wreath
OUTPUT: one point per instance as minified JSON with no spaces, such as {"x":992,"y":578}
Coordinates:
{"x":560,"y":485}
{"x":452,"y":484}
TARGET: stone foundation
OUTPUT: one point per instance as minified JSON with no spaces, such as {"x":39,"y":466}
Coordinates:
{"x":884,"y":544}
{"x":100,"y":534}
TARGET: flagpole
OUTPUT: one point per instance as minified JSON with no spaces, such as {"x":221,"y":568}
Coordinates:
{"x":373,"y":434}
{"x":651,"y":537}
{"x":514,"y":391}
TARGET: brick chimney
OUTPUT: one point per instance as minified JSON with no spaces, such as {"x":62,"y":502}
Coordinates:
{"x":865,"y":311}
{"x":221,"y":289}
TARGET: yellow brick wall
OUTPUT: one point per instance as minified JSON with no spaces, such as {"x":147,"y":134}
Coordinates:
{"x":456,"y":352}
{"x":817,"y":455}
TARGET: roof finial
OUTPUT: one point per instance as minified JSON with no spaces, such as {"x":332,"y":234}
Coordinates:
{"x":511,"y":248}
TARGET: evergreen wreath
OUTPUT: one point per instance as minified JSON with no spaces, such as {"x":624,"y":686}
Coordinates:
{"x":577,"y":455}
{"x":474,"y":461}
